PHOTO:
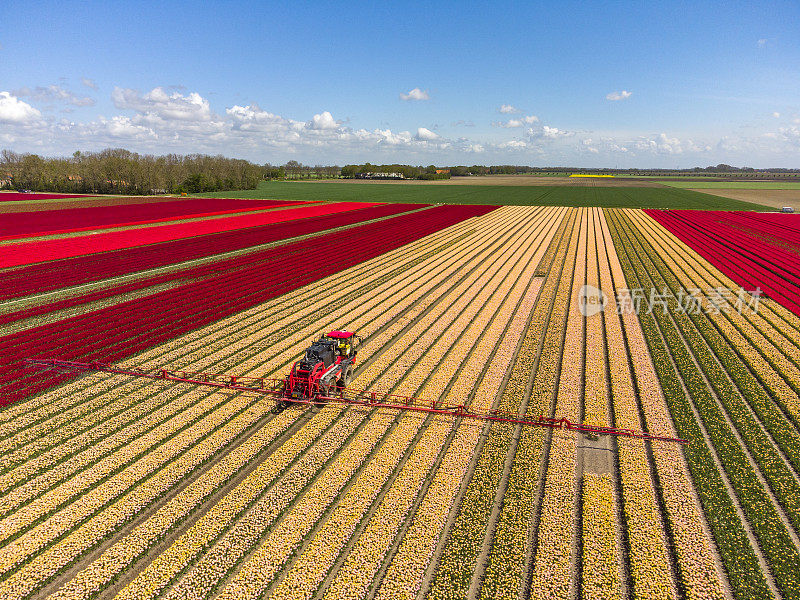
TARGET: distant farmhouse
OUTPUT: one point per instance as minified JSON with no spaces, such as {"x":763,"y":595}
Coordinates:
{"x":379,"y":176}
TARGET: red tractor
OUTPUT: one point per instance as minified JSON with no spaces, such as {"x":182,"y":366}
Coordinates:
{"x":325,"y":370}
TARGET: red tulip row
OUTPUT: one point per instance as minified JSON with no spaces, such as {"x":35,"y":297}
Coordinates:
{"x":36,"y":251}
{"x":68,"y":220}
{"x":749,"y":261}
{"x":95,"y":267}
{"x":115,"y":332}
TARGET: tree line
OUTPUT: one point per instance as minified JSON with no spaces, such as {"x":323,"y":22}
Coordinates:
{"x":118,"y":171}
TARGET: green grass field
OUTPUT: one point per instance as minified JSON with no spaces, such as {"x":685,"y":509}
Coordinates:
{"x":612,"y":197}
{"x":736,"y":185}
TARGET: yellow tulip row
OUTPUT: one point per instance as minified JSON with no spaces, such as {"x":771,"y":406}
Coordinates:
{"x":699,"y":578}
{"x":147,"y":411}
{"x":84,"y":486}
{"x":285,"y":534}
{"x":49,"y":562}
{"x":781,"y":322}
{"x":774,"y":368}
{"x":600,"y":571}
{"x":375,"y":314}
{"x":648,"y":559}
{"x":396,"y":296}
{"x":125,"y":551}
{"x":600,"y":574}
{"x":692,"y":546}
{"x":291,"y":530}
{"x":595,"y":398}
{"x":782,"y":332}
{"x":364,"y":558}
{"x":129,"y":393}
{"x":504,"y":573}
{"x":404,"y":575}
{"x":196,"y":539}
{"x":99,"y":449}
{"x":552,"y":573}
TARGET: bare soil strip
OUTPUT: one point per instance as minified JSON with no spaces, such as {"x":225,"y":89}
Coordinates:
{"x":773,"y":198}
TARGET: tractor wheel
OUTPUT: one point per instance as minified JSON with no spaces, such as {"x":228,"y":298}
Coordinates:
{"x":347,"y":376}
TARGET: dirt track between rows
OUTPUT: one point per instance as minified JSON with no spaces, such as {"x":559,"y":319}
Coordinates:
{"x":774,"y":198}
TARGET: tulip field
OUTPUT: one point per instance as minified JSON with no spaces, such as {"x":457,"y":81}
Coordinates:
{"x":128,"y":488}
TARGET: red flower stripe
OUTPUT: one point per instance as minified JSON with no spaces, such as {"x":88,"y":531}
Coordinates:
{"x":70,"y":220}
{"x":749,"y":260}
{"x":44,"y":277}
{"x":120,"y":331}
{"x":33,"y":252}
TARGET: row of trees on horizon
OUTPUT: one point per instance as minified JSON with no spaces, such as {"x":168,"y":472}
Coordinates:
{"x":119,"y":171}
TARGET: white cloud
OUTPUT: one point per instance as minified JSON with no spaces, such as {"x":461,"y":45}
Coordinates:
{"x":615,"y":96}
{"x":427,"y":135}
{"x":416,"y":94}
{"x":14,"y":110}
{"x":54,"y":93}
{"x":553,"y":132}
{"x":385,"y":136}
{"x":122,"y":127}
{"x":521,"y":122}
{"x":323,"y":121}
{"x":89,"y":83}
{"x":159,"y":104}
{"x":513,"y":145}
{"x":508,"y":109}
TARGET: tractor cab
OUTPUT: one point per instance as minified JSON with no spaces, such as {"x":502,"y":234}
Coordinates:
{"x":346,"y":343}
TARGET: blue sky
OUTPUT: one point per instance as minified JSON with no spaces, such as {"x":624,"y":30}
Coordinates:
{"x":593,"y":84}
